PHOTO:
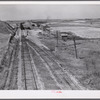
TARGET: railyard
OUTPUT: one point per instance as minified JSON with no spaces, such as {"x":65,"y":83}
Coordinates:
{"x":34,"y":68}
{"x":37,"y":59}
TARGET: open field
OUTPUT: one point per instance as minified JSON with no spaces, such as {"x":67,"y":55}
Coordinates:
{"x":86,"y":67}
{"x":86,"y":32}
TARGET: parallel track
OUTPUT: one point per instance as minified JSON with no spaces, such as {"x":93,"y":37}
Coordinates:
{"x":11,"y":74}
{"x":58,"y":72}
{"x":29,"y":77}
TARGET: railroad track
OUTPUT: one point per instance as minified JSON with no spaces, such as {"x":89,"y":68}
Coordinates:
{"x":11,"y":73}
{"x":63,"y":79}
{"x":28,"y":73}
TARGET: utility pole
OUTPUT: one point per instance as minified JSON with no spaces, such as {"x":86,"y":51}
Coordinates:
{"x":56,"y":47}
{"x":57,"y":38}
{"x":75,"y":47}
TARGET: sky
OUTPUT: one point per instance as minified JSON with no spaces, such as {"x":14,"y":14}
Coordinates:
{"x":37,"y":11}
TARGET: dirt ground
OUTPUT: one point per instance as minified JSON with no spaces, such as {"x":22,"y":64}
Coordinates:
{"x":3,"y":44}
{"x":86,"y":67}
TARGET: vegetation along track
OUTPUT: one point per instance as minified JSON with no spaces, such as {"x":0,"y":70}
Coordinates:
{"x":61,"y":77}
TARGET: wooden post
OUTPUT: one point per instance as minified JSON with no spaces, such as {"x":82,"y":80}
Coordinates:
{"x":75,"y":47}
{"x":56,"y":46}
{"x":57,"y":38}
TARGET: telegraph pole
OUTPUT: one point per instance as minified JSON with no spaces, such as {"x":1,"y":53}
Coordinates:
{"x":57,"y":39}
{"x":56,"y":47}
{"x":75,"y":47}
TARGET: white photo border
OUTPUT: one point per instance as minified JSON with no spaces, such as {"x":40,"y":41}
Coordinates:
{"x":49,"y":94}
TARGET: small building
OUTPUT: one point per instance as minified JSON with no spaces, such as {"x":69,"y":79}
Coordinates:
{"x":66,"y":35}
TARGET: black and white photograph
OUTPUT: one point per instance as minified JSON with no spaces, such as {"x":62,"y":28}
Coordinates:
{"x":50,"y":47}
